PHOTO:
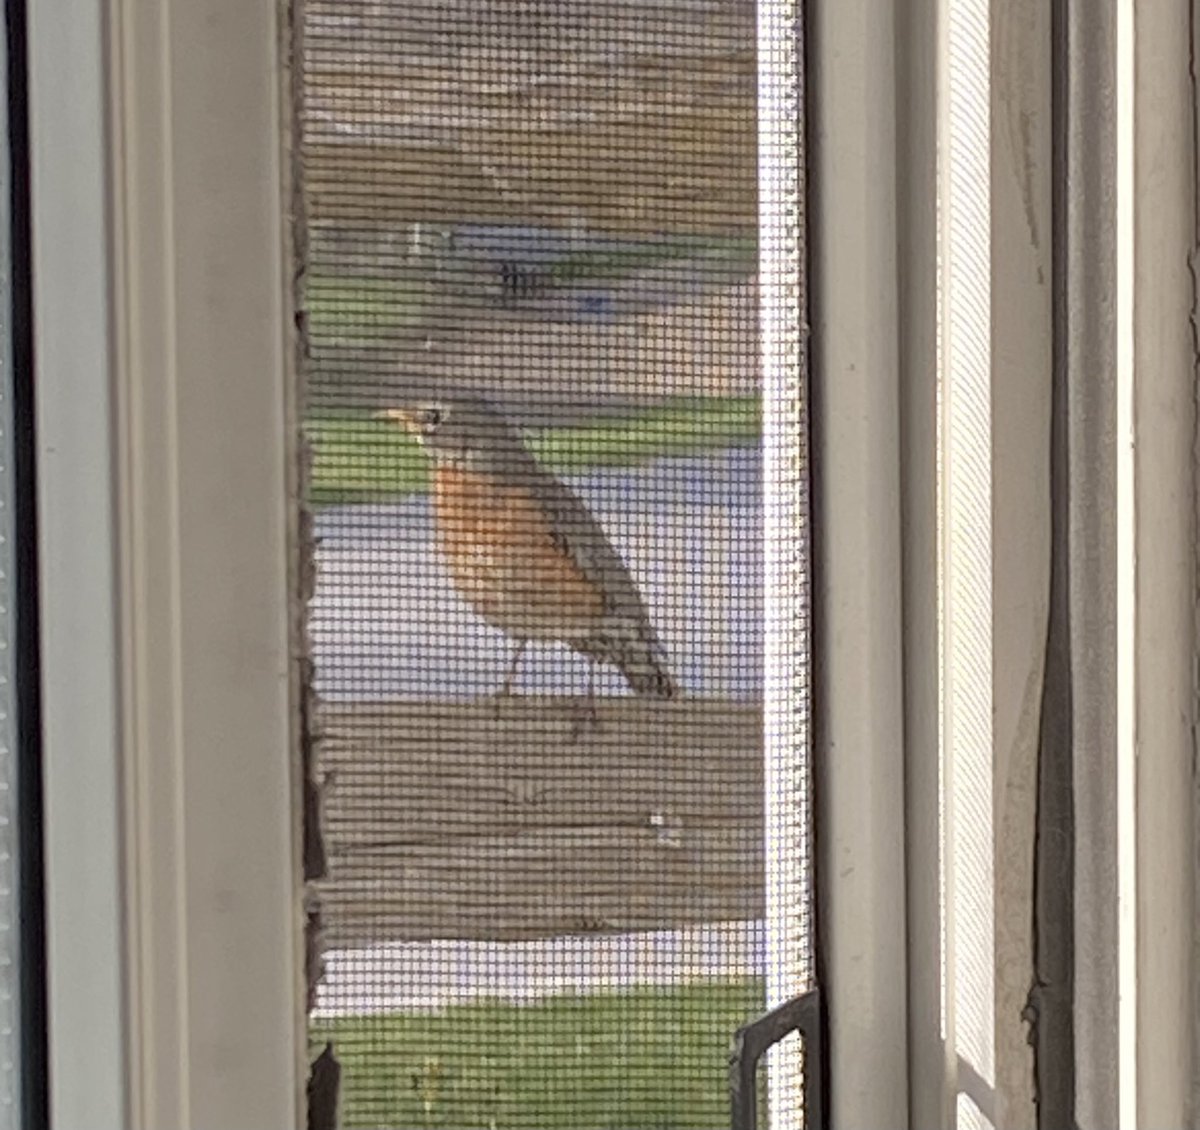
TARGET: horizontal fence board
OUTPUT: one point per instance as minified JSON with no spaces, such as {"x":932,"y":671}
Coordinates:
{"x":453,"y":821}
{"x":641,"y":134}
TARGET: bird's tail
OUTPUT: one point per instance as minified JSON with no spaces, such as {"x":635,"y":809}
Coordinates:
{"x":649,"y":677}
{"x":640,"y":659}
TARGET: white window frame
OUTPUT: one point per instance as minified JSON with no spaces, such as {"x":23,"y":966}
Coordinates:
{"x":881,"y":115}
{"x":858,"y":675}
{"x":165,"y":464}
{"x":1156,"y":786}
{"x":164,"y":432}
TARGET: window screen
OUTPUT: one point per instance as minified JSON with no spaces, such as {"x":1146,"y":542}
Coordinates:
{"x":558,"y":500}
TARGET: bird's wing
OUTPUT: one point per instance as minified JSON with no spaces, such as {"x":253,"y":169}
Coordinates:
{"x":584,"y":539}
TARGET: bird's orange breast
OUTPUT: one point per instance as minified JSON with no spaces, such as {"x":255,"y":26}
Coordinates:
{"x":501,"y":552}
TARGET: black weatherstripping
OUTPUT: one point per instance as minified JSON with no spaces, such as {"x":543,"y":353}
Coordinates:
{"x":32,"y":970}
{"x":1050,"y":1007}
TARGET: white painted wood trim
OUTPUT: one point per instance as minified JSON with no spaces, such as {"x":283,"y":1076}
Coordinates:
{"x":975,"y":539}
{"x":166,"y":440}
{"x":76,"y":453}
{"x":858,"y":709}
{"x":1157,"y":788}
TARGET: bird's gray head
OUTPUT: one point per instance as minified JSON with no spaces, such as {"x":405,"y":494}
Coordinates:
{"x":462,"y":431}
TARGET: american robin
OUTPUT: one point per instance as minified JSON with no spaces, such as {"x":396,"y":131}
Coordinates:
{"x":524,"y":551}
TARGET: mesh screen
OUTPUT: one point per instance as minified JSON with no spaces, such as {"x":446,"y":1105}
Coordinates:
{"x":564,"y":813}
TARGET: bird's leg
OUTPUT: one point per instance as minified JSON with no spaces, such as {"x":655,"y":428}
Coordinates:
{"x":505,"y":690}
{"x":591,"y":694}
{"x":511,"y":673}
{"x":588,"y":714}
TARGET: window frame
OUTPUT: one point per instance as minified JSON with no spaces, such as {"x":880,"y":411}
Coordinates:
{"x":159,"y":144}
{"x":166,"y":460}
{"x":77,"y":546}
{"x":857,"y":543}
{"x":1114,"y":104}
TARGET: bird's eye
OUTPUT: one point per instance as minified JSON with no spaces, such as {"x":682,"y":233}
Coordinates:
{"x":433,"y":417}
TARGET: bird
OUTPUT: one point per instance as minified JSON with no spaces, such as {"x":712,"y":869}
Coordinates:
{"x":524,"y":551}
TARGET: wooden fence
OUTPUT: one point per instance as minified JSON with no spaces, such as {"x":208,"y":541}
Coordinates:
{"x":446,"y":821}
{"x":635,"y":115}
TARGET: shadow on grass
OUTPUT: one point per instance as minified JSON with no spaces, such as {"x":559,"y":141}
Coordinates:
{"x":405,"y":300}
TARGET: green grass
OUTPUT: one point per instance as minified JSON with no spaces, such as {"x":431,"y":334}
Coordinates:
{"x":619,"y":262}
{"x":359,"y":458}
{"x":361,"y":306}
{"x":649,"y":1059}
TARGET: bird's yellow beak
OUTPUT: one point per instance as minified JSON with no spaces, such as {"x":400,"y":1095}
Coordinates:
{"x":402,"y":416}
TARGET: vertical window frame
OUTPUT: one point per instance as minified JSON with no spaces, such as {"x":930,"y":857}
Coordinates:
{"x":166,"y":445}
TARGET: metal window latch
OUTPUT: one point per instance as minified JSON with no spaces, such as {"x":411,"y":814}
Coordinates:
{"x":803,"y":1015}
